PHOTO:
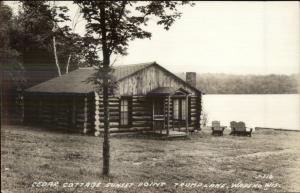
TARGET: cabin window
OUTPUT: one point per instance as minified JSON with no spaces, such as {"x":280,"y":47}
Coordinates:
{"x":176,"y":108}
{"x":179,"y":112}
{"x":182,"y":110}
{"x":125,"y":111}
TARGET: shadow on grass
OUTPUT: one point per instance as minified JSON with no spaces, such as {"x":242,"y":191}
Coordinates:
{"x":149,"y":136}
{"x":48,"y":129}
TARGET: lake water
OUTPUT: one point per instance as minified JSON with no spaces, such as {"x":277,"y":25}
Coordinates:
{"x":271,"y":111}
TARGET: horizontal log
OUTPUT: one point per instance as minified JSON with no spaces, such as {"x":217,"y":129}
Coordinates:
{"x":148,"y":124}
{"x":111,"y":120}
{"x":139,"y":105}
{"x":193,"y":106}
{"x":130,"y":129}
{"x":142,"y":127}
{"x":111,"y":124}
{"x":142,"y":113}
{"x":45,"y":114}
{"x":110,"y":104}
{"x":141,"y":124}
{"x":111,"y":130}
{"x":110,"y":108}
{"x":138,"y":108}
{"x":111,"y":113}
{"x":110,"y":100}
{"x":140,"y":102}
{"x":80,"y":115}
{"x":141,"y":117}
{"x":60,"y":113}
{"x":193,"y":110}
{"x":135,"y":128}
{"x":138,"y":96}
{"x":80,"y":120}
{"x":82,"y":124}
{"x":61,"y":118}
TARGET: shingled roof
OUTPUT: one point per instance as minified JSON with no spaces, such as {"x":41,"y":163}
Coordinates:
{"x":76,"y":82}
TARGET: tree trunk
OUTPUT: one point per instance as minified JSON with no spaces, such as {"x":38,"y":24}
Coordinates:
{"x":106,"y":63}
{"x":55,"y":56}
{"x":54,"y":47}
{"x":106,"y":145}
{"x":68,"y":64}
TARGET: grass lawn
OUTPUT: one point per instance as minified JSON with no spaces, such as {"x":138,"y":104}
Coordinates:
{"x":30,"y":154}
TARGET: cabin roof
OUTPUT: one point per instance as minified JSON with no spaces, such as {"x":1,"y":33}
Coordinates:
{"x":78,"y":81}
{"x":161,"y":91}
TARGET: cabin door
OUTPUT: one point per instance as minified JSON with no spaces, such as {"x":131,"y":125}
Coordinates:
{"x":158,"y":113}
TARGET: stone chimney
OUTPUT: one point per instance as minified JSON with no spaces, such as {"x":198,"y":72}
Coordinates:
{"x":191,"y":78}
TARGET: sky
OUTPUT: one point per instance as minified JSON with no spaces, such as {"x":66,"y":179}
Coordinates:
{"x":221,"y":37}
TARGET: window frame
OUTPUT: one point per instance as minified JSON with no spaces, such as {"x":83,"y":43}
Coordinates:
{"x":180,"y":109}
{"x":129,"y":111}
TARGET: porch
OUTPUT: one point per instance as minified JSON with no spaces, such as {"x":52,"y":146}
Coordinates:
{"x":171,"y":109}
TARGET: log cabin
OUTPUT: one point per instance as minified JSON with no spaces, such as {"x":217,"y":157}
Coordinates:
{"x":147,"y":97}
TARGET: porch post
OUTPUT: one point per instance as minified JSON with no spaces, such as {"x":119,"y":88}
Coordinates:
{"x":164,"y":113}
{"x":186,"y":112}
{"x":168,"y":116}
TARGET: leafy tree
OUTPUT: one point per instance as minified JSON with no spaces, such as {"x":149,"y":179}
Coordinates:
{"x":9,"y":56}
{"x":12,"y":70}
{"x":26,"y":41}
{"x":42,"y":39}
{"x":111,"y":25}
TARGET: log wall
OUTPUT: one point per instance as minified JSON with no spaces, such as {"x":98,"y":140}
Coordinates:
{"x":85,"y":113}
{"x":114,"y":114}
{"x":70,"y":112}
{"x":141,"y":113}
{"x":195,"y":108}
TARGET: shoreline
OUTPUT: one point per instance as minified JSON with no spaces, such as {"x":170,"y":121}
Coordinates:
{"x":276,"y":129}
{"x":258,"y":128}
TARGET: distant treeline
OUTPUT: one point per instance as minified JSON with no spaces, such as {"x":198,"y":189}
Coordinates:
{"x":213,"y":83}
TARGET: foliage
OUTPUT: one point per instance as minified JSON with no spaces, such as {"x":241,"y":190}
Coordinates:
{"x":124,"y":21}
{"x":10,"y":57}
{"x":32,"y":31}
